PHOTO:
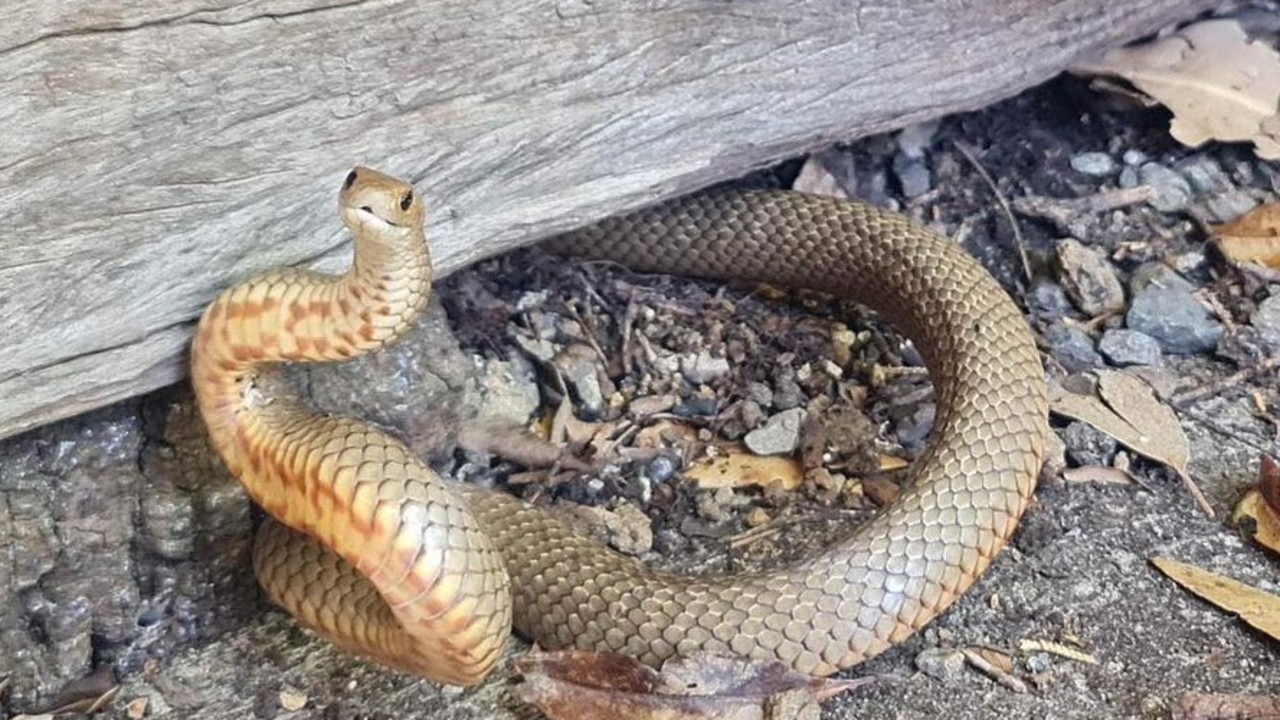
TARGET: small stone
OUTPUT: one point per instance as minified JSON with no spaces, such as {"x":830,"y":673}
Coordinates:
{"x":1172,"y":191}
{"x":292,"y":700}
{"x":913,"y":176}
{"x":577,"y":364}
{"x":1177,"y":321}
{"x":780,"y":434}
{"x":1129,"y":347}
{"x":1088,"y":446}
{"x":1128,"y":178}
{"x":882,"y":491}
{"x":758,"y":393}
{"x":943,"y":664}
{"x":651,"y":405}
{"x":1158,"y":274}
{"x":1266,"y":320}
{"x":1089,"y":278}
{"x":1048,"y":300}
{"x":1204,"y":174}
{"x":699,"y":368}
{"x":1097,"y":164}
{"x":662,"y":468}
{"x":913,"y":140}
{"x":1189,"y":262}
{"x":1072,"y":347}
{"x":1134,"y":157}
{"x":788,"y":394}
{"x":1039,"y":663}
{"x":756,"y":517}
{"x":1229,"y":205}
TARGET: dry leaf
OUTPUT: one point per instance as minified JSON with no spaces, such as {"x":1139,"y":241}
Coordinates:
{"x":1259,"y":510}
{"x":1251,"y":238}
{"x":581,"y":685}
{"x":1197,"y":706}
{"x":1258,"y":608}
{"x":1099,"y":474}
{"x":517,"y":445}
{"x":1127,"y":410}
{"x":740,"y":468}
{"x":1219,"y":85}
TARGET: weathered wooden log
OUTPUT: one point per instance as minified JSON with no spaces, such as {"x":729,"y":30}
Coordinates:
{"x":155,"y":152}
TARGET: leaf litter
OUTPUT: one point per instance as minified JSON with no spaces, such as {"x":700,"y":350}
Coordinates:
{"x":1218,"y":84}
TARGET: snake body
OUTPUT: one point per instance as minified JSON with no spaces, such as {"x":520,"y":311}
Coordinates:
{"x":375,"y":552}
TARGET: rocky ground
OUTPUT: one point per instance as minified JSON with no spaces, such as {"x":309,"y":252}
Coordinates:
{"x":126,"y":543}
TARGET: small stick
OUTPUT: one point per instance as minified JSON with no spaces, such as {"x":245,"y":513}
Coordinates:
{"x":1019,"y":245}
{"x":1226,"y":383}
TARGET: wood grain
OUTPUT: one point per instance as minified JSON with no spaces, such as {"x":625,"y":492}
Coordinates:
{"x":154,"y":153}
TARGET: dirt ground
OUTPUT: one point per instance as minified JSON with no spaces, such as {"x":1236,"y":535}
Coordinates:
{"x":1078,"y":569}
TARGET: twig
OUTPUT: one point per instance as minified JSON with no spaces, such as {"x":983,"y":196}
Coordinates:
{"x":1190,"y":484}
{"x":1226,"y":383}
{"x":1019,"y":245}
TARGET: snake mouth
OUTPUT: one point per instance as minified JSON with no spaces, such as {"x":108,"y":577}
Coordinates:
{"x":367,"y":215}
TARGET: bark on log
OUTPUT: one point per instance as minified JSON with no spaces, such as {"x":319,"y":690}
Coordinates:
{"x":156,"y":152}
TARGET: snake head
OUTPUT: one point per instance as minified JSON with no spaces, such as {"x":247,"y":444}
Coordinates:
{"x":378,"y":204}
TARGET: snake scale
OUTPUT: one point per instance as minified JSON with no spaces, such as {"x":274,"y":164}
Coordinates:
{"x":374,"y":551}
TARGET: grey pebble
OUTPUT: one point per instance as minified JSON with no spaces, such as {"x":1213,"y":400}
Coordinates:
{"x":1129,"y":347}
{"x":1134,"y":157}
{"x":1097,"y":164}
{"x":1266,"y":320}
{"x":943,"y":664}
{"x":1048,"y":299}
{"x":1177,"y":321}
{"x":1128,"y":178}
{"x":787,"y":394}
{"x":1088,"y":446}
{"x":913,"y":175}
{"x":1172,"y":191}
{"x":701,"y":367}
{"x":780,"y":434}
{"x":1204,"y":174}
{"x":663,"y":467}
{"x":1229,"y":205}
{"x":1089,"y":278}
{"x":759,"y":393}
{"x":1072,"y":347}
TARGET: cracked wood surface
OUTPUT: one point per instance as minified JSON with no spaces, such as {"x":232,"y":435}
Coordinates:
{"x":154,"y":153}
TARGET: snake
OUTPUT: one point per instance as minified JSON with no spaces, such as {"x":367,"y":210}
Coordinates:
{"x":372,"y":550}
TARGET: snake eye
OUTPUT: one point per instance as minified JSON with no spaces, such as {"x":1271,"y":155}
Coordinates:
{"x":351,"y":180}
{"x":406,"y":202}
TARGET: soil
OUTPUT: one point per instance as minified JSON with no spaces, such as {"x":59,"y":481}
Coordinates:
{"x":1077,"y":572}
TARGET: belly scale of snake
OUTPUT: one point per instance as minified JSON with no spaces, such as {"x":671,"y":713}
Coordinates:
{"x":375,"y":552}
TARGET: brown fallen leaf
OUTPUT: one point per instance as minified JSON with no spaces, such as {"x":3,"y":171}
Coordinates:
{"x":1254,"y":237}
{"x":1126,"y":409}
{"x":579,"y":685}
{"x":1198,"y":706}
{"x":1098,"y":474}
{"x":1258,"y":608}
{"x":740,"y":468}
{"x":517,"y":445}
{"x":1259,"y":509}
{"x":1218,"y":84}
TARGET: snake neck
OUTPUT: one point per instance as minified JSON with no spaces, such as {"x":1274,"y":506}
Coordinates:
{"x":297,"y":316}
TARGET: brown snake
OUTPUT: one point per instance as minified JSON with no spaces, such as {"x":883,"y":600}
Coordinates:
{"x":386,"y":559}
